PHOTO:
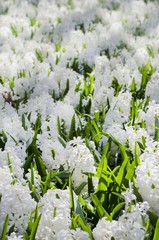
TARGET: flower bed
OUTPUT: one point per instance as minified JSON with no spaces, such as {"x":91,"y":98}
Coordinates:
{"x":79,"y":119}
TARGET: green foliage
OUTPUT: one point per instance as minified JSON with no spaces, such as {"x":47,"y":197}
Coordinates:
{"x":71,"y":195}
{"x":146,"y":71}
{"x":30,"y":233}
{"x":48,"y":183}
{"x":135,"y":106}
{"x":11,"y":83}
{"x":139,"y":31}
{"x":156,"y":234}
{"x":22,"y":73}
{"x":3,"y":140}
{"x":78,"y":219}
{"x":39,"y":55}
{"x":32,"y":22}
{"x":14,"y":30}
{"x":105,"y":52}
{"x":34,"y":154}
{"x":24,"y":122}
{"x":156,"y":129}
{"x":108,"y":200}
{"x":150,"y":51}
{"x":117,"y":87}
{"x":62,"y":93}
{"x":83,"y":68}
{"x":100,"y":209}
{"x":4,"y":231}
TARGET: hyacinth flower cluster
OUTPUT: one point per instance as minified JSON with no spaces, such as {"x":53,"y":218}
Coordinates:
{"x":79,"y":119}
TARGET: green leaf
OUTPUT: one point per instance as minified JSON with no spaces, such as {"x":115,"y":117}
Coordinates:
{"x":32,"y":174}
{"x":3,"y":140}
{"x":80,"y":187}
{"x":117,"y":210}
{"x":40,"y":166}
{"x":105,"y":180}
{"x":59,"y":180}
{"x":35,"y":225}
{"x":122,"y":170}
{"x":153,"y":218}
{"x":16,"y":143}
{"x":34,"y":228}
{"x":156,"y":129}
{"x":71,"y":194}
{"x":84,"y":227}
{"x":90,"y":184}
{"x":23,"y":123}
{"x":39,"y":55}
{"x":156,"y":234}
{"x":14,"y":30}
{"x":100,"y":210}
{"x":62,"y":141}
{"x":119,"y":195}
{"x":32,"y":22}
{"x":146,"y":71}
{"x":28,"y":163}
{"x":61,"y":131}
{"x":4,"y":231}
{"x":134,"y":111}
{"x":47,"y":182}
{"x":117,"y":87}
{"x":66,"y":89}
{"x":22,"y":73}
{"x":102,"y":174}
{"x":58,"y":47}
{"x":98,"y":134}
{"x":150,"y":51}
{"x":130,"y":171}
{"x":72,"y":128}
{"x":37,"y":125}
{"x":78,"y":210}
{"x":121,"y":174}
{"x":86,"y":205}
{"x":133,"y":85}
{"x":137,"y":159}
{"x":9,"y":163}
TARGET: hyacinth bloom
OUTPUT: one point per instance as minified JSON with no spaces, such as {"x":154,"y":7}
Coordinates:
{"x":79,"y":119}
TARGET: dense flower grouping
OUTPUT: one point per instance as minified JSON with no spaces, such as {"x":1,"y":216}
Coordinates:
{"x":79,"y":119}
